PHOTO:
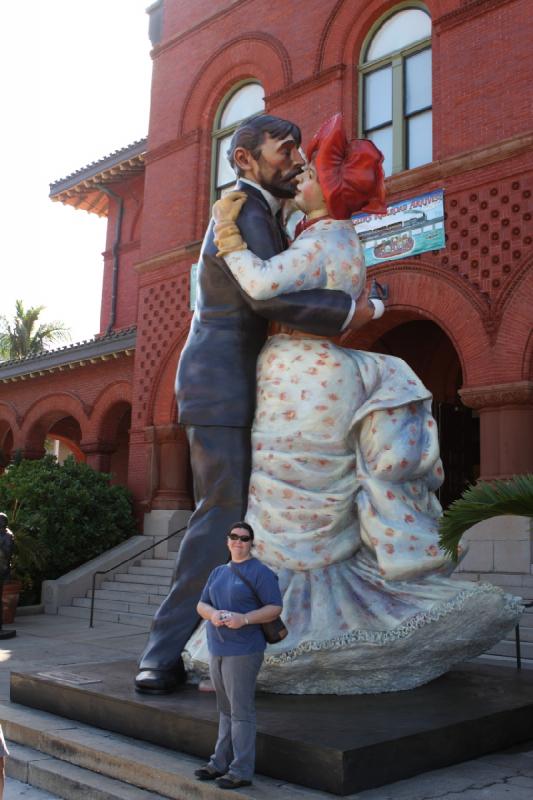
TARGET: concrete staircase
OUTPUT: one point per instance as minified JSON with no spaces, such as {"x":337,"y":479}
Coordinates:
{"x":78,"y":762}
{"x":129,"y":597}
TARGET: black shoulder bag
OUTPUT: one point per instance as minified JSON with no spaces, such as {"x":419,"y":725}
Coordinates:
{"x":273,"y":631}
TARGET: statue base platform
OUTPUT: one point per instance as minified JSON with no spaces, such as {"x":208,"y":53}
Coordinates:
{"x":337,"y":744}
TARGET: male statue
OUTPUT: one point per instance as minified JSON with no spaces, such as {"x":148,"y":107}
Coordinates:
{"x":216,"y":381}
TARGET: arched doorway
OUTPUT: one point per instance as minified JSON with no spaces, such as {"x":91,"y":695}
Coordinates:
{"x":119,"y":458}
{"x":107,"y":445}
{"x":6,"y":445}
{"x":431,"y":354}
{"x":63,"y":440}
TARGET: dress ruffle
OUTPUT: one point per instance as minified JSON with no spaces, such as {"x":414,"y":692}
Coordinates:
{"x":351,"y":632}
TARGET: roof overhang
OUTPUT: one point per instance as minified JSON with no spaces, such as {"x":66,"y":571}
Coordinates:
{"x":103,"y":348}
{"x":82,"y":189}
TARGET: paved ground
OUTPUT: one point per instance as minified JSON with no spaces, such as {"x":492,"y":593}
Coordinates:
{"x":45,"y":641}
{"x":15,"y":790}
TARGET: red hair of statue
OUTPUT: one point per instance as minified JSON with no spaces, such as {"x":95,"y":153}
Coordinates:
{"x":350,"y":173}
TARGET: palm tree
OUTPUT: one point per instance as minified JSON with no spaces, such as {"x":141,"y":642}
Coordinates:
{"x":23,"y":335}
{"x":481,"y":502}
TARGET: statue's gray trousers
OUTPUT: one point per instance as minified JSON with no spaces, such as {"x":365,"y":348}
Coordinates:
{"x":221,"y":464}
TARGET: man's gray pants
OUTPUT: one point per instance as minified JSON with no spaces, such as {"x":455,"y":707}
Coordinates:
{"x":234,"y":679}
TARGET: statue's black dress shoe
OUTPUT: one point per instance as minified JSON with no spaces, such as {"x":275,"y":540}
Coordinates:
{"x":160,"y":681}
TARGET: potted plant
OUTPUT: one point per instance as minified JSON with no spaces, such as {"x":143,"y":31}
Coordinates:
{"x":481,"y":502}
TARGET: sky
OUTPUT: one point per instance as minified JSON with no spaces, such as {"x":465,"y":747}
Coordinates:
{"x":75,"y":86}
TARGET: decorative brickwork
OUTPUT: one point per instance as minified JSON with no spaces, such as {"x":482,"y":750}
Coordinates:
{"x":163,"y":314}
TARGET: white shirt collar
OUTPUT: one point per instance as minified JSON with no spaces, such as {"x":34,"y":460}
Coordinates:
{"x":272,"y":201}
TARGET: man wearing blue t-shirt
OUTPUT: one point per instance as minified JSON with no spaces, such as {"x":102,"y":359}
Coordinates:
{"x":237,"y":598}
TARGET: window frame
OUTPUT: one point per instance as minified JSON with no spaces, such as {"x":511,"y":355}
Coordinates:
{"x":218,"y":133}
{"x":396,"y":60}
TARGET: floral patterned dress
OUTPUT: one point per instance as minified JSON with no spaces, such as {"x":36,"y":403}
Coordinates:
{"x":342,"y":500}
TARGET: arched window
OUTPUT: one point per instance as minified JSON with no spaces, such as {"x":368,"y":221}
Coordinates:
{"x":242,"y":102}
{"x":395,"y":89}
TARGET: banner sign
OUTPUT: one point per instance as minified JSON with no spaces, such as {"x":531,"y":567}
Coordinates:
{"x":409,"y":227}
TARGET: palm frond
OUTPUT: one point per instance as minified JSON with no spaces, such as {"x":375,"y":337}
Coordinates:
{"x":23,"y":335}
{"x":481,"y":502}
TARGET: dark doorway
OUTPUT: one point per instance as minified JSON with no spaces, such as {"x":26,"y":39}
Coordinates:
{"x":431,"y":354}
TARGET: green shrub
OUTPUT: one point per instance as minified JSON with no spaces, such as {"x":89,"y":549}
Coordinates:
{"x":61,"y":516}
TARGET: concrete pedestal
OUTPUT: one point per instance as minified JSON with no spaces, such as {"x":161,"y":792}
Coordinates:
{"x":337,"y":744}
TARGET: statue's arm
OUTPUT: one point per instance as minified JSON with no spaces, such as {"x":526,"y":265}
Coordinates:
{"x":303,"y":266}
{"x":320,"y":311}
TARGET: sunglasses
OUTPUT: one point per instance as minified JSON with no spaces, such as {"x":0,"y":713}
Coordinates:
{"x":235,"y":536}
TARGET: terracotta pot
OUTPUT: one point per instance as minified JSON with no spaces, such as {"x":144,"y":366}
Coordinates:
{"x":10,"y":599}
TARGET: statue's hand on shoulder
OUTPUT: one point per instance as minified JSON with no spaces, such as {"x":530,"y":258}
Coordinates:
{"x":228,"y":208}
{"x":225,"y":213}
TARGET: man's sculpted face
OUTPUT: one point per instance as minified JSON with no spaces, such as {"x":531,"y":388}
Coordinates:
{"x":277,"y":167}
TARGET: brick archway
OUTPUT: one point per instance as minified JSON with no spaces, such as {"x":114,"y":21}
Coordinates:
{"x":419,"y":291}
{"x":9,"y":433}
{"x":252,"y":55}
{"x":6,"y":444}
{"x":106,"y":443}
{"x":102,"y":423}
{"x":345,"y":30}
{"x":44,"y":414}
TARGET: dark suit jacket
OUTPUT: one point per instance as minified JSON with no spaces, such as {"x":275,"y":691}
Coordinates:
{"x":216,"y":381}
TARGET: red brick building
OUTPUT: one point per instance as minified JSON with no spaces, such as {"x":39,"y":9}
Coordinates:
{"x":444,"y":88}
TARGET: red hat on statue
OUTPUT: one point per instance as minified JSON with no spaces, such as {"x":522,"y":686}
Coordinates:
{"x":350,"y":173}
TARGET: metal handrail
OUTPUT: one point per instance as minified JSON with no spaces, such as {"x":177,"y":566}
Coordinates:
{"x":517,"y":640}
{"x":105,"y":571}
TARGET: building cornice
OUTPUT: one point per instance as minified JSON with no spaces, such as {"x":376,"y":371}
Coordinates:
{"x":173,"y":146}
{"x":205,"y":23}
{"x":305,"y":85}
{"x":112,"y":346}
{"x":169,"y":257}
{"x":472,"y":9}
{"x":519,"y":393}
{"x":460,"y":164}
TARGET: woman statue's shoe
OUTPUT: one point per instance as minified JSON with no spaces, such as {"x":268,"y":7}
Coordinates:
{"x":160,"y":681}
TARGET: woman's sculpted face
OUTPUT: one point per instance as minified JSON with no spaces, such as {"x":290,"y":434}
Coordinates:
{"x":309,"y":197}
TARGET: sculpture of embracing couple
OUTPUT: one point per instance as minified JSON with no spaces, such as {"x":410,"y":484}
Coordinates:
{"x":331,"y":454}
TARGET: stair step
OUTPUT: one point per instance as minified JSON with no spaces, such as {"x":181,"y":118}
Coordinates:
{"x":150,"y":580}
{"x":127,"y":596}
{"x":117,"y":605}
{"x":169,"y":563}
{"x":164,"y":572}
{"x":132,"y":588}
{"x":125,"y":617}
{"x":503,"y":661}
{"x":67,"y":780}
{"x":507,"y":648}
{"x":526,"y":634}
{"x":47,"y":748}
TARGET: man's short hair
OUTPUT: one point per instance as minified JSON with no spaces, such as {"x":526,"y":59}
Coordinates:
{"x":251,"y":135}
